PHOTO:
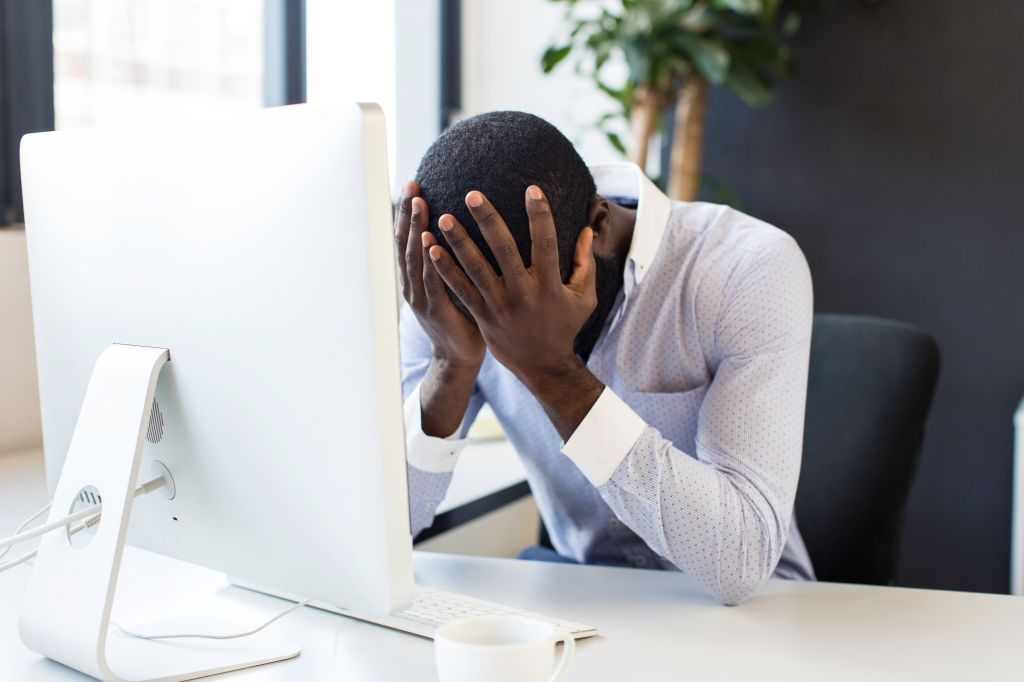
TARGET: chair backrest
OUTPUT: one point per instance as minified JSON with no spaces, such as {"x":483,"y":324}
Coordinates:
{"x":869,"y":391}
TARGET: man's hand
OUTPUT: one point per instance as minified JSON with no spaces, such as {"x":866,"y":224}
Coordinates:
{"x":458,"y":347}
{"x":455,"y":337}
{"x":527,"y":317}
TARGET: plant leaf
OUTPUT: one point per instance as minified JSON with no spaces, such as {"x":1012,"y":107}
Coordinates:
{"x":711,"y":59}
{"x":790,"y":24}
{"x":752,"y":86}
{"x":616,"y":141}
{"x":553,"y":55}
{"x":745,"y":7}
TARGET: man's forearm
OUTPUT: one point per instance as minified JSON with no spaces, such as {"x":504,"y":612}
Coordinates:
{"x":444,"y":396}
{"x":566,"y":394}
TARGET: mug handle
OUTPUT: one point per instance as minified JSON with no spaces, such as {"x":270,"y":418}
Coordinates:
{"x":568,"y":653}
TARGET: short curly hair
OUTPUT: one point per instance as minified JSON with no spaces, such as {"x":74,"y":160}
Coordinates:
{"x":501,"y":153}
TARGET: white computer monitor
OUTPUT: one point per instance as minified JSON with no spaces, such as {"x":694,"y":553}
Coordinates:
{"x":257,"y":249}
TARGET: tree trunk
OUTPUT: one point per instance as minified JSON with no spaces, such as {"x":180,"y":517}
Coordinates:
{"x":687,"y":140}
{"x":641,"y":124}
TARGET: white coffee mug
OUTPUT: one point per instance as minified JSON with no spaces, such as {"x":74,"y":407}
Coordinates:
{"x":500,"y":649}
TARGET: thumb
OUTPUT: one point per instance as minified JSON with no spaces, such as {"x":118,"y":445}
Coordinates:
{"x":583,"y":266}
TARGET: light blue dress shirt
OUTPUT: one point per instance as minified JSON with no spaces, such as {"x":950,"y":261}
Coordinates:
{"x":690,"y":458}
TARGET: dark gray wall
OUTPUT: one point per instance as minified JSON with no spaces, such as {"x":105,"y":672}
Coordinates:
{"x":896,"y":158}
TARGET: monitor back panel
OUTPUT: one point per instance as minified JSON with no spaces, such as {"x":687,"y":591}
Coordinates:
{"x":257,"y":248}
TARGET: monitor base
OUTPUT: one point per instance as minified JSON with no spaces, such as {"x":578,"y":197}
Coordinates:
{"x":67,"y":610}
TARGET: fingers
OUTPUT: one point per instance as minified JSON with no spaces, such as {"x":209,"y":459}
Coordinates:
{"x":456,"y":280}
{"x":433,"y":285}
{"x":498,"y":237}
{"x":584,"y":270}
{"x":401,"y":231}
{"x":544,"y":248}
{"x":418,"y":222}
{"x":473,"y":262}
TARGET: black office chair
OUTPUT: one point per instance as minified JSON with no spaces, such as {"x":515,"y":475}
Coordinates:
{"x":869,"y":391}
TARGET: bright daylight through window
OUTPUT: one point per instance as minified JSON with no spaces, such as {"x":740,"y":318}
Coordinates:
{"x":133,"y":60}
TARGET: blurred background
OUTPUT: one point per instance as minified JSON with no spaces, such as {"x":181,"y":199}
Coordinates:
{"x":885,"y":136}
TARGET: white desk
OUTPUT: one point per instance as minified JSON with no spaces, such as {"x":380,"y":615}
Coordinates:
{"x":655,"y":625}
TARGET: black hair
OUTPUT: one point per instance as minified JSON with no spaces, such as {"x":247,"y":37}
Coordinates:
{"x":501,"y":153}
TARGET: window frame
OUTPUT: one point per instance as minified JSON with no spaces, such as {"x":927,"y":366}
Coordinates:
{"x":450,"y":61}
{"x":26,"y":91}
{"x":284,"y":52}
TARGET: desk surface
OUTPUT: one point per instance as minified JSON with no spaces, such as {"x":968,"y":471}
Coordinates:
{"x":655,"y":625}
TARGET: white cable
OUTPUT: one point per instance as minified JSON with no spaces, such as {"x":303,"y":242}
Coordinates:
{"x":53,"y":525}
{"x":18,"y":560}
{"x":92,"y":517}
{"x":194,"y":635}
{"x":89,"y":523}
{"x":24,"y":525}
{"x":19,"y":536}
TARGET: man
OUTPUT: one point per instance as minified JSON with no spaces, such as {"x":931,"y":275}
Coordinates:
{"x":647,"y":358}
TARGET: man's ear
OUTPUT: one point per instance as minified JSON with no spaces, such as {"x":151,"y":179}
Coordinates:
{"x":599,"y":218}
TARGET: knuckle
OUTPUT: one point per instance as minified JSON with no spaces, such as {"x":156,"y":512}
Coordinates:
{"x":489,"y":218}
{"x":506,"y":249}
{"x":476,"y":273}
{"x":549,"y":242}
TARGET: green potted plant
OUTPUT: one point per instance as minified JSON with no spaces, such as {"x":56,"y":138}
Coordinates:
{"x":674,"y":51}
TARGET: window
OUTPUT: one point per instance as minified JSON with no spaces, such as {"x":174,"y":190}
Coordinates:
{"x":350,"y":53}
{"x":132,"y":60}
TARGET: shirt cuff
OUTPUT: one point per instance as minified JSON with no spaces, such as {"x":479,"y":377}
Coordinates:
{"x":604,"y":437}
{"x":429,"y":453}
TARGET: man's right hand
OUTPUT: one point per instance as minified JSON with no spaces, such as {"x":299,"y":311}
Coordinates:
{"x":458,"y":347}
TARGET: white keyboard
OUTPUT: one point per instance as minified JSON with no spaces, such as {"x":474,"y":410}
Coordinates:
{"x":432,"y":608}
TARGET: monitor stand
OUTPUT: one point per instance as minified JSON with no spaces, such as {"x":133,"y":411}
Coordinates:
{"x":66,"y":616}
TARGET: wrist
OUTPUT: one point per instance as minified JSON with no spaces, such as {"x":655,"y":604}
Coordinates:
{"x":452,"y":368}
{"x":444,"y":396}
{"x":568,"y":380}
{"x":570,"y":370}
{"x":566,"y":391}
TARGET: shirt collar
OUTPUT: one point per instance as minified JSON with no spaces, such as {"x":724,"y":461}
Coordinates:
{"x":652,"y":212}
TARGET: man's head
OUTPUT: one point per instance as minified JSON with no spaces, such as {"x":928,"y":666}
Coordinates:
{"x":501,"y":154}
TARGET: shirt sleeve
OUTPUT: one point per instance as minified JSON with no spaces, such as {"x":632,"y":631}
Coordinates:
{"x":429,"y":460}
{"x":720,"y":514}
{"x":429,"y":454}
{"x":604,"y":438}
